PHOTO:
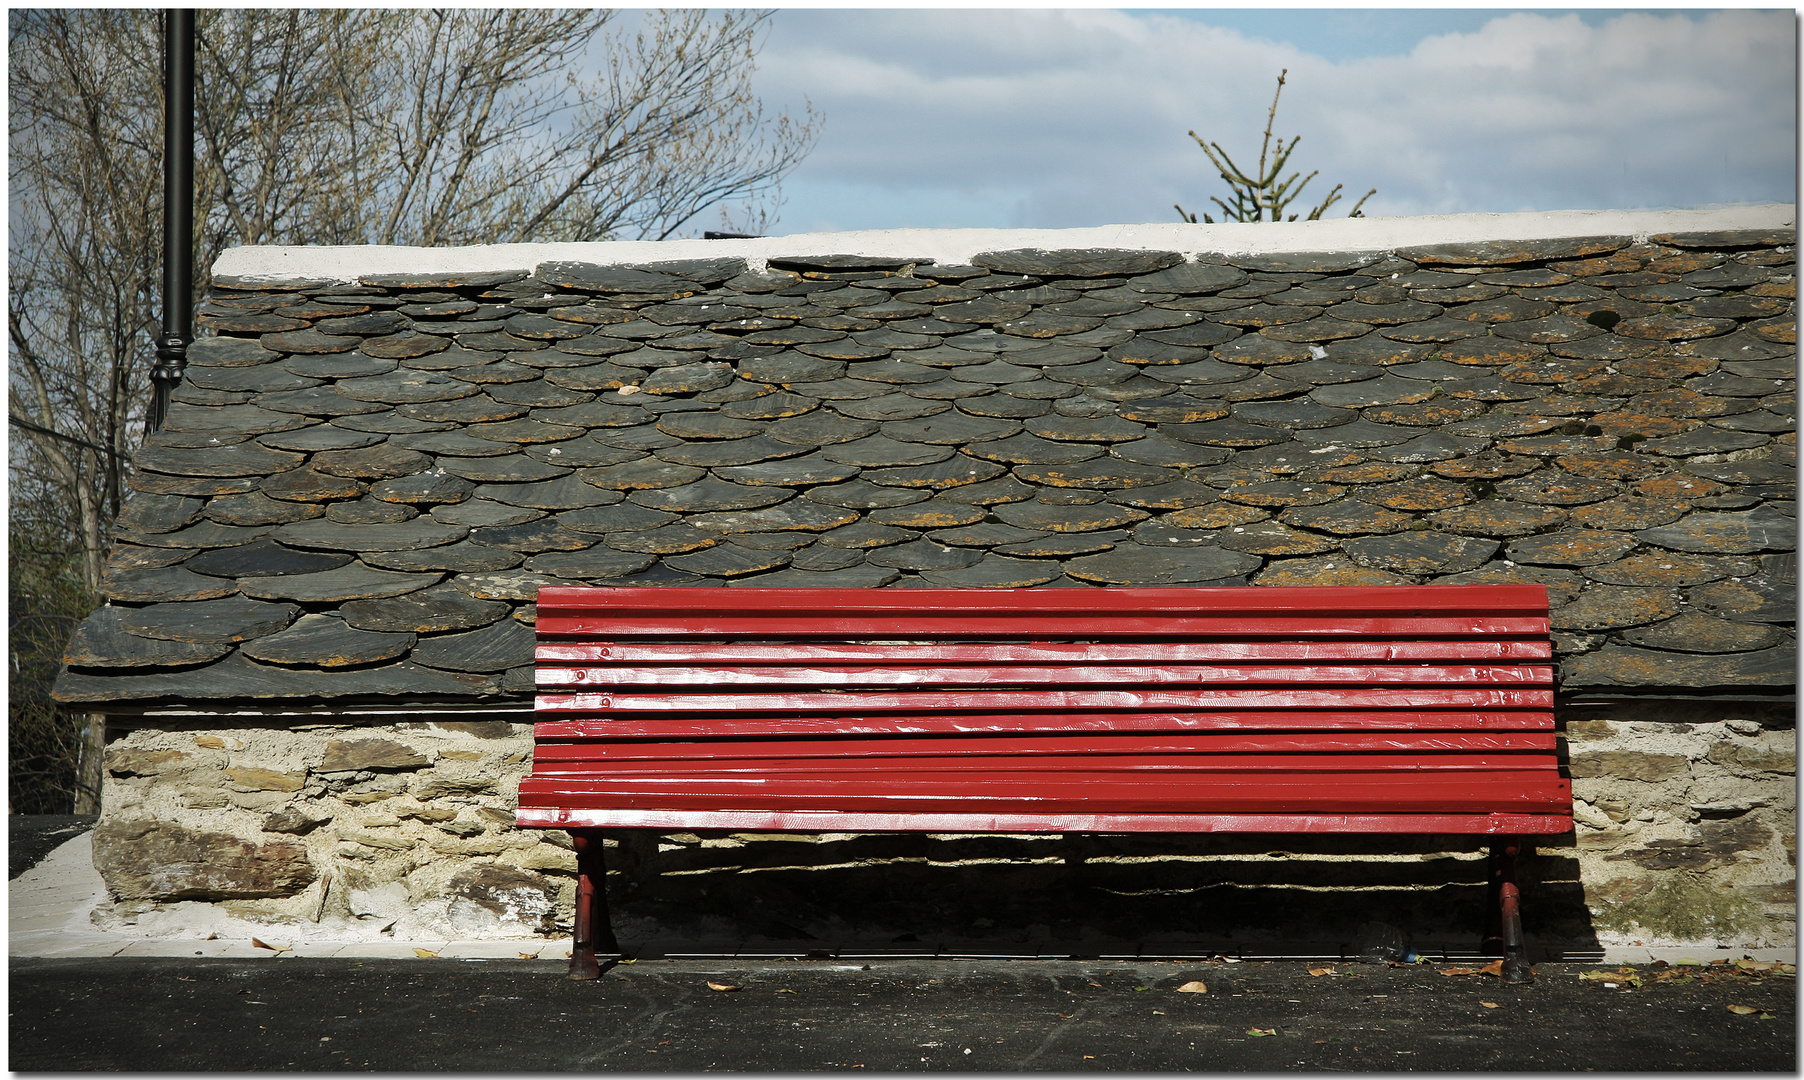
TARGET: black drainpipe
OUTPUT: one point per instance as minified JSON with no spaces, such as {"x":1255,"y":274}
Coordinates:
{"x":178,"y":211}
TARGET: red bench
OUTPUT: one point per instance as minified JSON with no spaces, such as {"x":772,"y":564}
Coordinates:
{"x":1412,"y":709}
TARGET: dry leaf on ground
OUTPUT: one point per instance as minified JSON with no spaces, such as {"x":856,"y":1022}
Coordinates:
{"x":1194,"y":986}
{"x":1490,"y":1005}
{"x":712,"y":985}
{"x":1495,"y":967}
{"x":272,"y":948}
{"x":1457,"y":971}
{"x":1261,"y":1032}
{"x":1743,"y":1010}
{"x":1323,"y":971}
{"x":425,"y":954}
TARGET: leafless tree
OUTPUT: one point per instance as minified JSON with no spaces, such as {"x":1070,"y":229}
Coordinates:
{"x":358,"y":126}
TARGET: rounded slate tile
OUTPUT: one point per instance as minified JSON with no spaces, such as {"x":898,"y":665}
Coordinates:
{"x":1167,"y":453}
{"x":1365,"y":433}
{"x":102,"y":642}
{"x":957,"y":470}
{"x":201,"y":535}
{"x":594,"y":564}
{"x":1273,"y":538}
{"x":256,"y":508}
{"x":1230,"y":434}
{"x":796,"y":514}
{"x":826,"y":428}
{"x":728,"y":561}
{"x":1611,"y":607}
{"x":500,"y":468}
{"x":931,"y":514}
{"x":758,"y":448}
{"x":239,"y":459}
{"x":371,"y":463}
{"x":403,"y":345}
{"x":561,"y":493}
{"x":923,"y":554}
{"x":1426,"y":552}
{"x":861,"y":576}
{"x":1137,"y":564}
{"x":819,"y":557}
{"x":643,"y":474}
{"x":880,"y":450}
{"x":1387,"y":389}
{"x":1029,"y":449}
{"x":1703,"y":634}
{"x":886,"y":407}
{"x":1763,"y":529}
{"x":770,"y":406}
{"x":1422,"y":493}
{"x":1578,"y":548}
{"x":328,"y":642}
{"x":222,"y":621}
{"x":1326,"y":570}
{"x":1347,"y":517}
{"x":478,"y":409}
{"x":326,"y":535}
{"x":310,"y":486}
{"x":863,"y":495}
{"x":169,"y":583}
{"x":1666,"y":568}
{"x":483,"y":512}
{"x":790,"y":472}
{"x":309,"y":341}
{"x":229,"y":352}
{"x":459,"y":558}
{"x":1630,"y":513}
{"x":493,"y":648}
{"x":406,"y":387}
{"x":432,"y":610}
{"x":996,"y":572}
{"x":431,"y":487}
{"x":1292,"y":414}
{"x":1499,"y":518}
{"x":321,"y":437}
{"x":622,"y":517}
{"x":664,"y":540}
{"x":708,"y":493}
{"x":1043,"y":516}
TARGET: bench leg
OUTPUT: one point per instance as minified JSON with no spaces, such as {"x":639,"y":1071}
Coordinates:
{"x":1503,"y":916}
{"x":593,"y":928}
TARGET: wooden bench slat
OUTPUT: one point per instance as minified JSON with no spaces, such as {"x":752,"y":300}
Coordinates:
{"x":1245,"y":793}
{"x":1492,"y":824}
{"x":551,"y":754}
{"x":850,"y":677}
{"x":951,"y":625}
{"x":852,"y":723}
{"x":691,"y":612}
{"x":1449,"y":696}
{"x":1098,"y":765}
{"x":1471,"y":650}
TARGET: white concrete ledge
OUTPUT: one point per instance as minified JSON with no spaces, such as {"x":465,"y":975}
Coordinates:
{"x":955,"y":246}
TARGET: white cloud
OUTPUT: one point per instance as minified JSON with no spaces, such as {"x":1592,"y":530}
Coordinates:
{"x":1078,"y":117}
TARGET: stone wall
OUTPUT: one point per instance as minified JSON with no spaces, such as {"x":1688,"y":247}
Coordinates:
{"x":317,"y":652}
{"x":1687,"y":821}
{"x":329,"y":832}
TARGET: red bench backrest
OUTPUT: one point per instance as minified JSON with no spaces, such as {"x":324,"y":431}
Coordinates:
{"x":1400,"y":709}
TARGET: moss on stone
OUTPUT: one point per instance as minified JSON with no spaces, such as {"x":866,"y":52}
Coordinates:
{"x":1684,"y":908}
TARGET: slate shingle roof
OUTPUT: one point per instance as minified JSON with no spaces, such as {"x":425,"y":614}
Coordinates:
{"x":360,"y":487}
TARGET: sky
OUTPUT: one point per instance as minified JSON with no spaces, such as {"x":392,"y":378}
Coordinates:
{"x":1018,"y":118}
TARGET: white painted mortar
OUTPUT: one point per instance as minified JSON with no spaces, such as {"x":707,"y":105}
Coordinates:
{"x":957,"y":246}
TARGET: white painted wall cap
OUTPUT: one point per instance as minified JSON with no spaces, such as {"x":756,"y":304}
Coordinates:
{"x":957,"y":246}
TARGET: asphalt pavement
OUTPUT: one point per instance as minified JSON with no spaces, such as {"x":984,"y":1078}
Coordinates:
{"x":146,"y":1014}
{"x":80,"y":1000}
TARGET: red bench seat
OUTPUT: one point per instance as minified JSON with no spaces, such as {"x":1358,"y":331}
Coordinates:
{"x":1425,"y":709}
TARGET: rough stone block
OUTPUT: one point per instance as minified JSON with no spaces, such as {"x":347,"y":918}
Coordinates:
{"x":148,"y":859}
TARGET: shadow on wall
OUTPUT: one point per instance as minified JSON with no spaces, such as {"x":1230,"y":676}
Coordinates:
{"x":1077,"y":896}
